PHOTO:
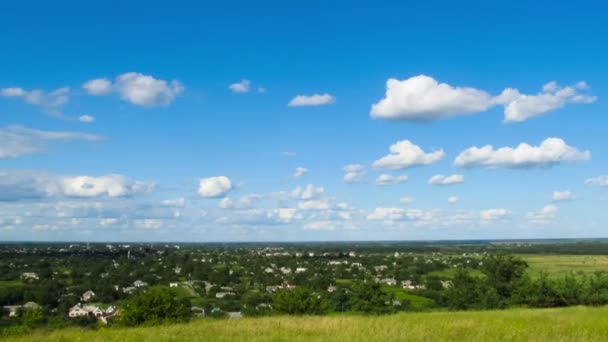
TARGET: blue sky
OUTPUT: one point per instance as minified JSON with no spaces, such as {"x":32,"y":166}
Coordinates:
{"x":168,"y":143}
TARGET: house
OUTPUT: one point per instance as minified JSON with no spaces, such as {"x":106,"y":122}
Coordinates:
{"x":172,"y":284}
{"x":234,"y":315}
{"x":301,"y":270}
{"x":331,"y":289}
{"x":77,"y":311}
{"x":129,"y":289}
{"x":285,"y":270}
{"x":139,"y":283}
{"x":272,"y":289}
{"x":268,"y":270}
{"x":221,"y":295}
{"x":93,"y":310}
{"x":31,"y":305}
{"x":29,"y":276}
{"x":389,"y":281}
{"x":88,"y":295}
{"x":11,"y":310}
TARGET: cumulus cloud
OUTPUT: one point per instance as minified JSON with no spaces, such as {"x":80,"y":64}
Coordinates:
{"x":240,"y":87}
{"x":307,"y":193}
{"x":214,"y":186}
{"x":544,"y":215}
{"x":521,"y":107}
{"x":386,"y":179}
{"x":353,"y":173}
{"x":300,"y":172}
{"x":440,"y":179}
{"x":179,"y":202}
{"x":494,"y":214}
{"x":18,"y":185}
{"x":559,"y":196}
{"x":86,"y":118}
{"x":597,"y":181}
{"x":405,"y":154}
{"x":422,"y":98}
{"x":550,"y":152}
{"x":51,"y":102}
{"x":314,"y":204}
{"x":387,"y":214}
{"x":150,"y":224}
{"x":137,"y":89}
{"x":99,"y":86}
{"x":225,"y":203}
{"x":312,"y":100}
{"x":16,"y":141}
{"x":453,"y":199}
{"x":286,"y":215}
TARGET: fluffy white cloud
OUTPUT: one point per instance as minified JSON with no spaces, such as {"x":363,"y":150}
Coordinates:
{"x":99,"y":86}
{"x":407,"y":200}
{"x":314,"y":204}
{"x":50,"y":102}
{"x":597,"y":181}
{"x":562,"y":196}
{"x":240,"y":87}
{"x":494,"y":214}
{"x":86,"y":118}
{"x":453,"y":199}
{"x":300,"y":172}
{"x":244,"y":202}
{"x":446,"y":180}
{"x":521,"y":107}
{"x":422,"y":98}
{"x":387,"y":214}
{"x":138,"y":89}
{"x":386,"y":179}
{"x":307,"y":193}
{"x":225,"y":203}
{"x":16,"y":185}
{"x":16,"y":141}
{"x":312,"y":100}
{"x":405,"y":154}
{"x":543,"y":216}
{"x":179,"y":202}
{"x":214,"y":186}
{"x":551,"y":151}
{"x":150,"y":224}
{"x":286,"y":214}
{"x":353,"y":173}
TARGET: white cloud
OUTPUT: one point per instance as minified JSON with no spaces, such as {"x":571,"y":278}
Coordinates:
{"x":314,"y":204}
{"x":312,"y":100}
{"x":179,"y":202}
{"x":137,"y":89}
{"x":404,"y":154}
{"x":240,"y":87}
{"x":17,"y":185}
{"x":150,"y":224}
{"x":300,"y":172}
{"x":446,"y":180}
{"x":286,"y":214}
{"x":543,"y":216}
{"x":99,"y":86}
{"x":494,"y":214}
{"x":551,"y":151}
{"x":225,"y":203}
{"x":559,"y":196}
{"x":521,"y":107}
{"x":16,"y":141}
{"x":353,"y":173}
{"x":453,"y":199}
{"x":597,"y":181}
{"x":407,"y":200}
{"x":386,"y":179}
{"x":86,"y":118}
{"x":51,"y":102}
{"x":214,"y":186}
{"x":109,"y":221}
{"x":307,"y":193}
{"x":422,"y":98}
{"x":321,"y":225}
{"x":387,"y":214}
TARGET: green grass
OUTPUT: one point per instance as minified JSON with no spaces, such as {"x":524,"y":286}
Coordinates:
{"x":569,"y":324}
{"x":558,"y":265}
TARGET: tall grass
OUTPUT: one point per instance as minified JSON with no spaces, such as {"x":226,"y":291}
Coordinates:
{"x":569,"y":324}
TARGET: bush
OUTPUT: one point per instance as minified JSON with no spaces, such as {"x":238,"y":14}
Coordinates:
{"x":155,"y":306}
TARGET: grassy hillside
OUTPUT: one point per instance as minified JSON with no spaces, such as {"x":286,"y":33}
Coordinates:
{"x":570,"y":324}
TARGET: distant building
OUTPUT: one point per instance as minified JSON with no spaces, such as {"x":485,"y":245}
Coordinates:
{"x":87,"y":296}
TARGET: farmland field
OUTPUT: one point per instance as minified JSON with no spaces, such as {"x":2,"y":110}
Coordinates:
{"x":569,"y":324}
{"x":556,"y":265}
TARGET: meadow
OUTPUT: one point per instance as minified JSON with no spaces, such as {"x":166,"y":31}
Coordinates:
{"x":564,"y":324}
{"x":560,"y":264}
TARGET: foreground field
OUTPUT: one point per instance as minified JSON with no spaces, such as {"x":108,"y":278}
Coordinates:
{"x":569,"y":324}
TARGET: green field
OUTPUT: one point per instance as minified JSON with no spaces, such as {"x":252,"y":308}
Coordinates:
{"x":569,"y":324}
{"x":556,"y":265}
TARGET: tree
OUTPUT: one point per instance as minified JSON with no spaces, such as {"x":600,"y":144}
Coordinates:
{"x":503,"y":272}
{"x":368,"y":297}
{"x":156,"y":305}
{"x":299,"y":301}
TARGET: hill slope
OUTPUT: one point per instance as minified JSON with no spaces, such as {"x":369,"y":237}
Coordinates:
{"x":569,"y":324}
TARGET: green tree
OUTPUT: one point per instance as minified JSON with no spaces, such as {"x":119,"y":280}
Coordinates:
{"x":155,"y":306}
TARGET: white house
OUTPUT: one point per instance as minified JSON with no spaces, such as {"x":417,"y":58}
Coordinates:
{"x":88,"y":295}
{"x":139,"y":283}
{"x":29,"y":275}
{"x":172,"y":284}
{"x":301,"y":269}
